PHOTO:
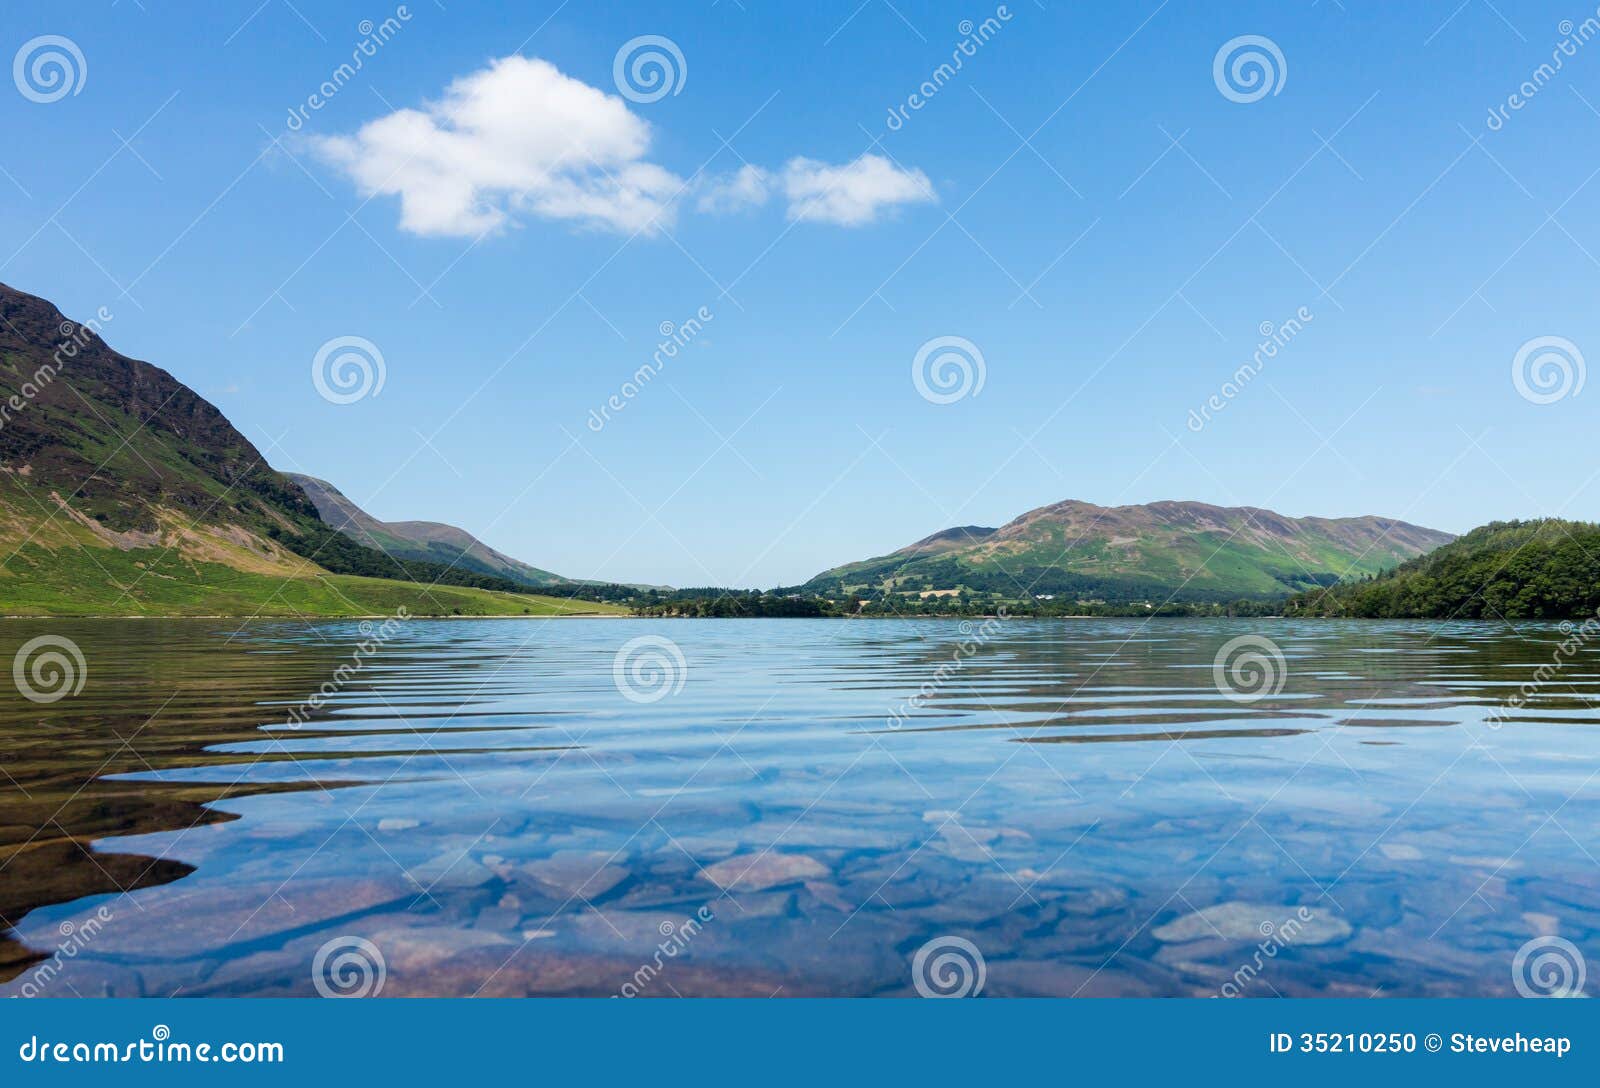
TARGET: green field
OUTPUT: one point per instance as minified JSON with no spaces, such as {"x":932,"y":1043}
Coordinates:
{"x":89,"y":581}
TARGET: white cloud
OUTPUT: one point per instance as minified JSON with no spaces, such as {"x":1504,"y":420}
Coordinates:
{"x":748,"y":188}
{"x":515,"y":137}
{"x":520,"y":138}
{"x":853,"y":193}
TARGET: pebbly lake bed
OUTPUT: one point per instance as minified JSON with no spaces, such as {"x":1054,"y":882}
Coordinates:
{"x":667,"y":808}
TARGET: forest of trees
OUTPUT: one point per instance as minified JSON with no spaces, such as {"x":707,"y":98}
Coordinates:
{"x":1513,"y":570}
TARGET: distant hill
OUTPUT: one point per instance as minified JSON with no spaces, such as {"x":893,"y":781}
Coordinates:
{"x":429,"y":541}
{"x":1182,"y":551}
{"x":123,"y":491}
{"x":1513,"y":570}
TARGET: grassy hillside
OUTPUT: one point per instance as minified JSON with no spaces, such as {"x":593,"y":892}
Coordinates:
{"x":1187,"y":552}
{"x":146,"y":583}
{"x":123,"y":492}
{"x":62,"y":568}
{"x":1514,"y":570}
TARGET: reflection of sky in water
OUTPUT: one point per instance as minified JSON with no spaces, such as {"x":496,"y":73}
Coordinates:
{"x":1075,"y":798}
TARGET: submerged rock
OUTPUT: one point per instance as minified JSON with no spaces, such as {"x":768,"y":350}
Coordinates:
{"x":758,"y":872}
{"x":422,"y":949}
{"x":575,"y":874}
{"x":1400,"y":851}
{"x":1238,"y":921}
{"x":453,"y":869}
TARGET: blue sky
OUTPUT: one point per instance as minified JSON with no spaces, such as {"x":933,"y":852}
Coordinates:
{"x":1081,"y":202}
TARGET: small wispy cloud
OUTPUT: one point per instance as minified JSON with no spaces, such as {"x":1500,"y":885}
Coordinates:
{"x":748,"y":188}
{"x":853,"y":193}
{"x":849,"y":194}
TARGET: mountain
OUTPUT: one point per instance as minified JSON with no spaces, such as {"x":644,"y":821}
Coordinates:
{"x":122,"y":491}
{"x":1506,"y":570}
{"x":429,"y":541}
{"x":1182,"y":551}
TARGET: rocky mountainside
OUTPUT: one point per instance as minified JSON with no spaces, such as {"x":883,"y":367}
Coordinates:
{"x":430,"y":541}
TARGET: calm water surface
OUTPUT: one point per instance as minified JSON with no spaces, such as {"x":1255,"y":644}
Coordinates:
{"x":484,"y":804}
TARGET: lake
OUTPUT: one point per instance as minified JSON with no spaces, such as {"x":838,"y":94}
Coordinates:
{"x":797,"y":807}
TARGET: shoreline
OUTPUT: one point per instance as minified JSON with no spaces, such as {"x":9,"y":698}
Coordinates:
{"x":949,"y":617}
{"x":304,"y":618}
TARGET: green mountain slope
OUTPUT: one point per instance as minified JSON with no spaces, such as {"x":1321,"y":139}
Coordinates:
{"x":124,"y":492}
{"x":1513,"y":570}
{"x":428,"y":541}
{"x":1182,"y":551}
